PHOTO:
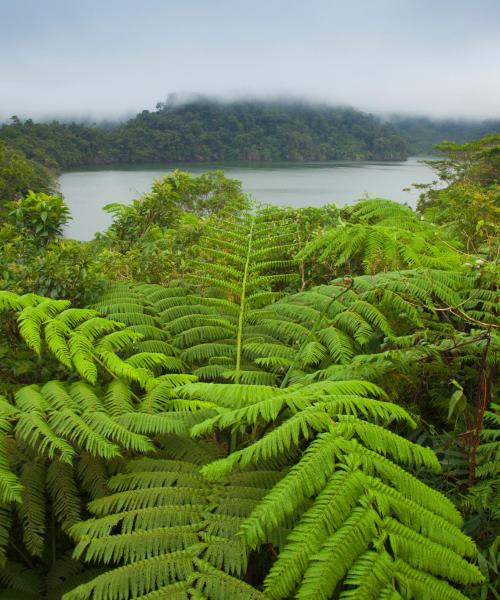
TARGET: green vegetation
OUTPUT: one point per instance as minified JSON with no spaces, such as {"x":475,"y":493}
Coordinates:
{"x":206,"y":130}
{"x":469,"y":205}
{"x":203,"y":130}
{"x":18,"y":176}
{"x":218,"y":400}
{"x":423,"y":134}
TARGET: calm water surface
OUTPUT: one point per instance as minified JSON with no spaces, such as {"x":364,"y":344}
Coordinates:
{"x":289,"y":184}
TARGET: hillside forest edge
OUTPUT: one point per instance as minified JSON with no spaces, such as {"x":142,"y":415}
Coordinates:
{"x":204,"y":130}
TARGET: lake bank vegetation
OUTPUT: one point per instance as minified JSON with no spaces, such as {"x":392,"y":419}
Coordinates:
{"x":218,"y":400}
{"x":205,"y":130}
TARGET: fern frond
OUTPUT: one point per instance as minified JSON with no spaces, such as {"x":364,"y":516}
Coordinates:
{"x":73,"y":427}
{"x":162,"y":515}
{"x":33,"y":507}
{"x":345,"y":495}
{"x":64,"y":494}
{"x":139,"y":577}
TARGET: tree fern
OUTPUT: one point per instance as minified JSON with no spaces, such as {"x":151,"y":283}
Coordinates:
{"x":229,"y":438}
{"x":312,"y":330}
{"x":165,"y":530}
{"x":60,"y":441}
{"x":381,"y":235}
{"x":346,"y":504}
{"x":245,"y":265}
{"x":345,"y":496}
{"x":323,"y":328}
{"x":85,"y":342}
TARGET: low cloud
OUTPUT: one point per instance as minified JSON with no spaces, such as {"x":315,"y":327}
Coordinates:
{"x":99,"y":60}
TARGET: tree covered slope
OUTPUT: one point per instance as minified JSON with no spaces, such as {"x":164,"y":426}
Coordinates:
{"x":423,"y":133}
{"x":203,"y":130}
{"x":208,"y":130}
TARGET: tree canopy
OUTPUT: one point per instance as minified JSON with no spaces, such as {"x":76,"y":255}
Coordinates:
{"x":204,"y":130}
{"x":18,"y":175}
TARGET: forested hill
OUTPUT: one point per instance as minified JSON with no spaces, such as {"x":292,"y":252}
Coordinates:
{"x":203,"y":130}
{"x":264,"y":131}
{"x":422,"y":133}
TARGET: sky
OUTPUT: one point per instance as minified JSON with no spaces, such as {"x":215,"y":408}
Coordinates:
{"x":105,"y":59}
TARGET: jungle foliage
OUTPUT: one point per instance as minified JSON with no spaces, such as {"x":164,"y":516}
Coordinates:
{"x":232,"y":401}
{"x":206,"y":130}
{"x":423,"y":134}
{"x":18,"y":176}
{"x":201,"y":129}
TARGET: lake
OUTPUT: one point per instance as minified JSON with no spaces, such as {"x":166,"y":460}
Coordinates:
{"x":87,"y":190}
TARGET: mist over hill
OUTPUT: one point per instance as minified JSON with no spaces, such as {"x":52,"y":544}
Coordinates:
{"x":200,"y":129}
{"x":207,"y":130}
{"x":423,"y":133}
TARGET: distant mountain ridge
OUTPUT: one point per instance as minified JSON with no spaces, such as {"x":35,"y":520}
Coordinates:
{"x":200,"y":130}
{"x":423,"y":133}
